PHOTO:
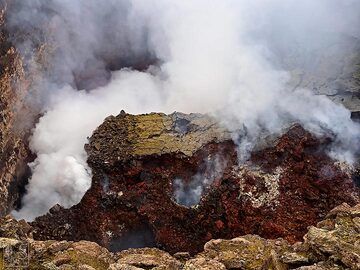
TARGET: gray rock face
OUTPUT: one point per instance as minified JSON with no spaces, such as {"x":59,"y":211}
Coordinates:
{"x":328,"y":64}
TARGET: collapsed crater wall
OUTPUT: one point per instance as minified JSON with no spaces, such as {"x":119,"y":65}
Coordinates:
{"x":138,"y":160}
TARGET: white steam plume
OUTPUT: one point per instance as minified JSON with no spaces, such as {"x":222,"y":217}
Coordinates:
{"x":215,"y":57}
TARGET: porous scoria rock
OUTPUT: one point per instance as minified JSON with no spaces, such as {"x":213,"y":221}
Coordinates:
{"x":138,"y":160}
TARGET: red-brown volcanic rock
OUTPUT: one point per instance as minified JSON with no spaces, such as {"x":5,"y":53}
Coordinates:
{"x":135,"y":160}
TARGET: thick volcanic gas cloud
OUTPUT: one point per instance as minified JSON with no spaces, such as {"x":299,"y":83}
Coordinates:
{"x":225,"y":58}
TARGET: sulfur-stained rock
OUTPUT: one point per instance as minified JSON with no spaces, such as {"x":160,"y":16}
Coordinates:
{"x":342,"y":242}
{"x":344,"y":210}
{"x":120,"y":266}
{"x":146,"y":258}
{"x":61,"y":259}
{"x":85,"y":267}
{"x":68,"y":255}
{"x":58,"y":247}
{"x":13,"y":253}
{"x":295,"y":258}
{"x":48,"y":266}
{"x":8,"y":242}
{"x":127,"y":137}
{"x":201,"y":263}
{"x":247,"y":252}
{"x":12,"y":228}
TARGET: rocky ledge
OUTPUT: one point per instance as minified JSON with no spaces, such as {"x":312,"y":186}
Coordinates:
{"x":174,"y":182}
{"x":332,"y":244}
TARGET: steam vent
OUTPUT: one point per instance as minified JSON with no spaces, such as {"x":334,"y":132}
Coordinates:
{"x":254,"y":166}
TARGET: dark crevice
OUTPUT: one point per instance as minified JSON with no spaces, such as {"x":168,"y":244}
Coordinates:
{"x":136,"y":238}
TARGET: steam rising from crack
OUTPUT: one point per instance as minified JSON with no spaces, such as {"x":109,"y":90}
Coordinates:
{"x":214,"y":57}
{"x":189,"y":193}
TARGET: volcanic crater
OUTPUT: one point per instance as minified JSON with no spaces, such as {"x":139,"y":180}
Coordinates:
{"x":286,"y":186}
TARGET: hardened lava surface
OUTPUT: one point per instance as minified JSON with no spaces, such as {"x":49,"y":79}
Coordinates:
{"x":285,"y":187}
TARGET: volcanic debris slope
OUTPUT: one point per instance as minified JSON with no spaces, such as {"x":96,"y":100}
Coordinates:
{"x":141,"y":163}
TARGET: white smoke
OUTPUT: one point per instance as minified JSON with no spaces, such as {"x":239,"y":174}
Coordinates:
{"x":60,"y":174}
{"x":189,"y":193}
{"x":214,"y":58}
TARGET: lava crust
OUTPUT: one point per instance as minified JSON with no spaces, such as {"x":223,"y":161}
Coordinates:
{"x":138,"y":161}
